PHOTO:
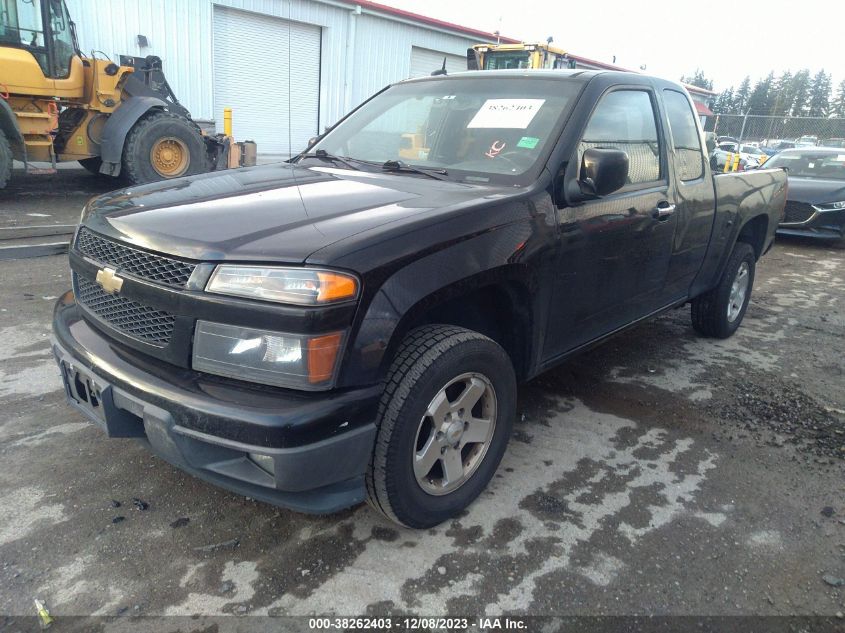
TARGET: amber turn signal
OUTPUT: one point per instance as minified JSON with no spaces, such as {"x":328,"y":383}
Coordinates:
{"x":336,"y":287}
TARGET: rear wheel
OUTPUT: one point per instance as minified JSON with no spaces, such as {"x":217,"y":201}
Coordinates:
{"x":719,"y":312}
{"x":445,"y":420}
{"x":163,"y":145}
{"x":5,"y":160}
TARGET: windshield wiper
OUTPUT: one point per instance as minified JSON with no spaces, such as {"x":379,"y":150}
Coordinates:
{"x":324,"y":155}
{"x":398,"y":165}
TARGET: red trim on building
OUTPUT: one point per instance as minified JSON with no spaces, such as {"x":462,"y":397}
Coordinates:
{"x":416,"y":17}
{"x":702,"y":109}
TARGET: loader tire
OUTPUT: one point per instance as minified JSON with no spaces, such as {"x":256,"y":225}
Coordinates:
{"x":5,"y":160}
{"x":163,"y":145}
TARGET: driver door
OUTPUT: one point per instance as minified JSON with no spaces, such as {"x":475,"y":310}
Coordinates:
{"x":614,"y":251}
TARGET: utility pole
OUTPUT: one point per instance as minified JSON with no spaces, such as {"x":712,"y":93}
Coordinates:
{"x":742,"y":131}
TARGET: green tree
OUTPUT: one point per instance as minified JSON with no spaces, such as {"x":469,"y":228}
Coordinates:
{"x":698,"y":79}
{"x":782,"y":95}
{"x":819,"y":97}
{"x":760,"y":99}
{"x":838,"y":104}
{"x":801,"y":93}
{"x":741,"y":96}
{"x":724,"y":102}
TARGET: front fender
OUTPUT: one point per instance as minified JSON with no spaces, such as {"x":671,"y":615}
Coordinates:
{"x":117,"y":126}
{"x":496,"y":257}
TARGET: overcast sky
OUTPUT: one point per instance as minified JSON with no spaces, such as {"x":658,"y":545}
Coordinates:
{"x":727,"y":40}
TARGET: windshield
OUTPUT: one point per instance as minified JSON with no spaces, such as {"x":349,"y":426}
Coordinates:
{"x":477,"y":129}
{"x":506,"y":60}
{"x":21,"y":26}
{"x":828,"y":166}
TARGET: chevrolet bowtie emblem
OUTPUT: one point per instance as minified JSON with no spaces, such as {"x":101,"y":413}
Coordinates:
{"x":110,"y":282}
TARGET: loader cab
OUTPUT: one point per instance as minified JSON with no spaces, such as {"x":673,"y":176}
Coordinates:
{"x":43,"y":29}
{"x":516,"y":57}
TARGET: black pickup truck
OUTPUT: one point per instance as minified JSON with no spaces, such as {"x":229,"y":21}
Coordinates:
{"x":353,"y":324}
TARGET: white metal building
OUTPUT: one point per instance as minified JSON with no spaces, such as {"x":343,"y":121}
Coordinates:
{"x":316,"y":59}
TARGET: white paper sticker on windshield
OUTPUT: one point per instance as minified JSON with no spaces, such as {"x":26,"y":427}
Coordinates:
{"x":506,"y":113}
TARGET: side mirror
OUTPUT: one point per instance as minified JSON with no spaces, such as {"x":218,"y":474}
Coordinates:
{"x":603,"y":171}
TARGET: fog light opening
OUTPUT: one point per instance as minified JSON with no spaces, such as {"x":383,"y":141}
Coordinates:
{"x":264,"y":462}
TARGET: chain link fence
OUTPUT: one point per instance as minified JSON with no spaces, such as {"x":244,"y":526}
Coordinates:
{"x":776,"y":128}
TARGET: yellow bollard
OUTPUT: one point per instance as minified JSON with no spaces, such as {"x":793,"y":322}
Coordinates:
{"x":227,"y":121}
{"x":736,"y":162}
{"x":728,"y":162}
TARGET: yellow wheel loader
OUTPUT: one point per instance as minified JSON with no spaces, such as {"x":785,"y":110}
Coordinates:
{"x":516,"y":56}
{"x":120,"y":120}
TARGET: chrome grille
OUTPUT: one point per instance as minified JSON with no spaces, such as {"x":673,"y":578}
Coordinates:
{"x":797,"y":212}
{"x":130,"y":317}
{"x":132,"y":261}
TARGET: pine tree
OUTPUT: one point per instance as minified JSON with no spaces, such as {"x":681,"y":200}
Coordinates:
{"x":782,"y":95}
{"x":724,"y":102}
{"x":801,"y":93}
{"x":760,"y":99}
{"x":838,"y":104}
{"x":698,"y":79}
{"x":741,"y":96}
{"x":819,"y":97}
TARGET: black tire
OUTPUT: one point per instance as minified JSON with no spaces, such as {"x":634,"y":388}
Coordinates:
{"x":152,"y":128}
{"x":92,"y":164}
{"x":5,"y":160}
{"x":710,"y":310}
{"x":429,"y":358}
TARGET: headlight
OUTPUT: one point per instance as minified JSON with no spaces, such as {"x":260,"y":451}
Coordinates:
{"x":830,"y":206}
{"x":302,"y":286}
{"x":270,"y":358}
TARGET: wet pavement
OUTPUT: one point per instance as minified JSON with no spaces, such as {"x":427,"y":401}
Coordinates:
{"x":660,"y":473}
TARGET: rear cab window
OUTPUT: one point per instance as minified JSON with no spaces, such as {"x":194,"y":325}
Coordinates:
{"x":686,"y":139}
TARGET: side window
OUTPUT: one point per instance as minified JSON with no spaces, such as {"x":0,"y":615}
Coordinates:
{"x":685,"y":136}
{"x":624,"y":119}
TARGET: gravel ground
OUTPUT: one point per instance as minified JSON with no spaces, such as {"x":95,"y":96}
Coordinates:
{"x":659,"y":474}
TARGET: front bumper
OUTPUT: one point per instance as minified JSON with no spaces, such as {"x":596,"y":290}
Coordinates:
{"x":320,"y":443}
{"x":829,"y":224}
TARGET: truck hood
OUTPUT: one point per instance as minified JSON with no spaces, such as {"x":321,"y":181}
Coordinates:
{"x":816,"y":190}
{"x":277,"y":212}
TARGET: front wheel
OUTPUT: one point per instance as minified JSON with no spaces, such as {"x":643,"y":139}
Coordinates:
{"x":163,"y":145}
{"x":445,"y":419}
{"x":718,"y":312}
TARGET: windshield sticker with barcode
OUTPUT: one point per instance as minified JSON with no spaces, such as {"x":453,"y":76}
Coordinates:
{"x":506,"y":113}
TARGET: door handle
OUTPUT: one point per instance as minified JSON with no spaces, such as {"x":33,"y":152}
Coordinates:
{"x":663,"y":210}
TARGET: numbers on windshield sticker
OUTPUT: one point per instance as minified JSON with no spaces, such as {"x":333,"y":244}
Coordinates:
{"x":506,"y":113}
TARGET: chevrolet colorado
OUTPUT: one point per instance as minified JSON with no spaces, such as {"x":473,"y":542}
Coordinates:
{"x":352,"y":324}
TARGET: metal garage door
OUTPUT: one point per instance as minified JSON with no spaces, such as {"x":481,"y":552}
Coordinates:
{"x":251,"y":77}
{"x":425,"y":61}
